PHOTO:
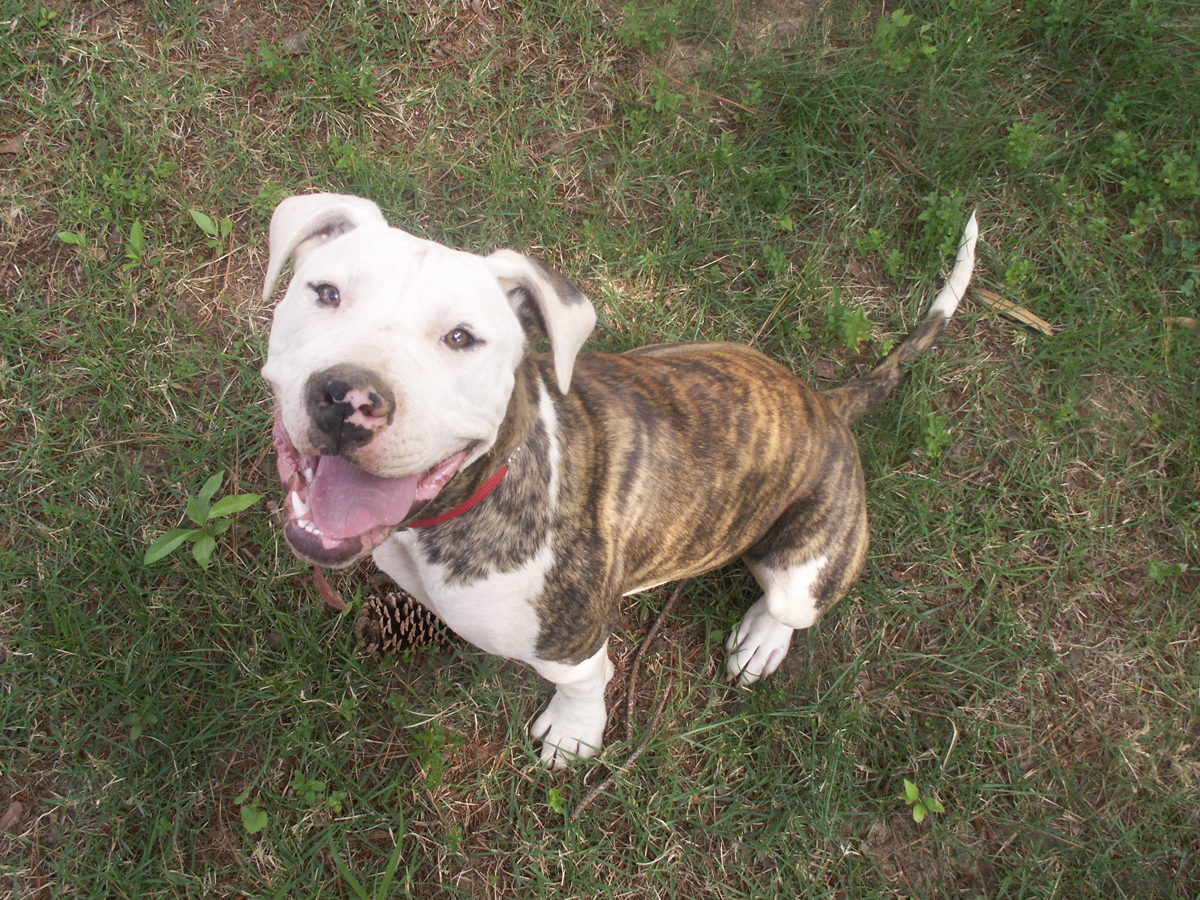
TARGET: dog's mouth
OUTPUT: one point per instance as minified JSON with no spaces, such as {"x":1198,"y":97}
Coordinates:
{"x":336,"y":511}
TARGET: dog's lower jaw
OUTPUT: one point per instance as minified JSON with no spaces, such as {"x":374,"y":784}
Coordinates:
{"x":572,"y":726}
{"x":312,"y":548}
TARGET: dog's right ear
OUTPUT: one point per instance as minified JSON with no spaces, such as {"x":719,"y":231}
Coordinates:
{"x":564,"y":313}
{"x":302,"y":223}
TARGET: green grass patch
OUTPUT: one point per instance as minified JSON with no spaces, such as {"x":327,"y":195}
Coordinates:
{"x":1023,"y":646}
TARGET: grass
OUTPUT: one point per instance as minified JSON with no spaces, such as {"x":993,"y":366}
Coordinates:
{"x":1023,"y":645}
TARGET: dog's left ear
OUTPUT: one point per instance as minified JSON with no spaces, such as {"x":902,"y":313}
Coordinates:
{"x":301,"y":223}
{"x":566,"y":315}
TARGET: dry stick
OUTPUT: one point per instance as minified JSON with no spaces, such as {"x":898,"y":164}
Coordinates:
{"x":7,"y":263}
{"x":774,"y":313}
{"x":228,"y":263}
{"x":637,"y":658}
{"x":233,"y":529}
{"x":678,"y":82}
{"x":633,"y":757}
{"x":633,"y":670}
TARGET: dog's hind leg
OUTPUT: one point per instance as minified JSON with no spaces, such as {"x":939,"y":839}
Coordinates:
{"x":761,"y":640}
{"x":804,"y":564}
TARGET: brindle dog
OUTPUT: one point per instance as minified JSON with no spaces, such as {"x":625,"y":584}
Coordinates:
{"x":519,"y":495}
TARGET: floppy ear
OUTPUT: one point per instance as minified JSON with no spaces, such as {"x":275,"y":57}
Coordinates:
{"x":302,"y":223}
{"x":565,"y":313}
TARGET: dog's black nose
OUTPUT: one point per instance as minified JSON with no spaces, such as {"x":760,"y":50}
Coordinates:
{"x":347,"y":404}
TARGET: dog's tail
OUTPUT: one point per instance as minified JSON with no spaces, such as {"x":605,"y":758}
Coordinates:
{"x":854,"y":400}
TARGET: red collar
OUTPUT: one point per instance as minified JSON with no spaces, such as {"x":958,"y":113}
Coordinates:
{"x":480,"y":494}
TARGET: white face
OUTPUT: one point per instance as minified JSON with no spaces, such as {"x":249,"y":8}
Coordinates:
{"x":392,"y":360}
{"x":378,"y":299}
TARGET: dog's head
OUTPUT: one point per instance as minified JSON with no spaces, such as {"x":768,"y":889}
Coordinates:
{"x":391,"y":360}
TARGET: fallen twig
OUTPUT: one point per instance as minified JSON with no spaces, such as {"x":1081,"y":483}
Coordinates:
{"x":633,"y":670}
{"x":1010,"y":310}
{"x":641,"y":650}
{"x":678,"y":82}
{"x":627,"y":765}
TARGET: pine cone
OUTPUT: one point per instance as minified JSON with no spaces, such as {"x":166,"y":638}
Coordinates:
{"x":395,"y":621}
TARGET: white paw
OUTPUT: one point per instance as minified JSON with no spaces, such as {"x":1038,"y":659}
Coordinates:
{"x":569,"y":729}
{"x":757,"y":646}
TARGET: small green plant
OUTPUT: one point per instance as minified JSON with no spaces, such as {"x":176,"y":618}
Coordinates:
{"x":943,"y":220}
{"x":1145,"y":214}
{"x":70,"y":237}
{"x":43,"y":16}
{"x":135,"y":247}
{"x":775,"y":260}
{"x":1182,"y":249}
{"x":348,"y":158}
{"x":1124,"y":152}
{"x":725,"y":153}
{"x":218,"y":232}
{"x":355,"y":86}
{"x":1062,"y":18}
{"x":309,"y":790}
{"x":650,"y":26}
{"x":348,"y":709}
{"x":1114,"y":109}
{"x":314,"y":792}
{"x":1021,"y":147}
{"x":797,"y":329}
{"x":129,"y":191}
{"x":336,"y":800}
{"x":936,"y":435}
{"x":921,"y":806}
{"x":433,"y":747}
{"x":274,"y":63}
{"x":211,"y":520}
{"x":557,"y":801}
{"x":1018,"y":273}
{"x":666,"y":99}
{"x":137,"y":722}
{"x":1179,"y":177}
{"x":754,"y":94}
{"x":1161,"y":572}
{"x":254,"y":817}
{"x":874,"y":241}
{"x":898,"y":45}
{"x":848,"y":327}
{"x":893,"y":264}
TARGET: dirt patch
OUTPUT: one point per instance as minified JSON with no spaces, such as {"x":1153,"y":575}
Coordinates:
{"x":923,"y":860}
{"x":759,"y":28}
{"x":766,"y":25}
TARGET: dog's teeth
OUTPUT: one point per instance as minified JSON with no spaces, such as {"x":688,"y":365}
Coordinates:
{"x":301,"y":508}
{"x":308,"y":474}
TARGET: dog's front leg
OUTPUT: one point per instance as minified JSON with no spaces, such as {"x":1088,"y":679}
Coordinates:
{"x":572,"y":726}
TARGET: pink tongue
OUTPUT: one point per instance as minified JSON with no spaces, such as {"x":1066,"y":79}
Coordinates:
{"x":347,"y":501}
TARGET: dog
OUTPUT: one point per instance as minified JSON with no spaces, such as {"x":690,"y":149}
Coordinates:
{"x":519,"y":495}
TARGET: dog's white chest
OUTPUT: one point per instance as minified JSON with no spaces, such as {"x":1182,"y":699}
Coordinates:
{"x":495,"y":613}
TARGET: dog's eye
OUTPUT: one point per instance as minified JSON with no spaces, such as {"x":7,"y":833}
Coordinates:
{"x":458,"y":339}
{"x":327,"y":294}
